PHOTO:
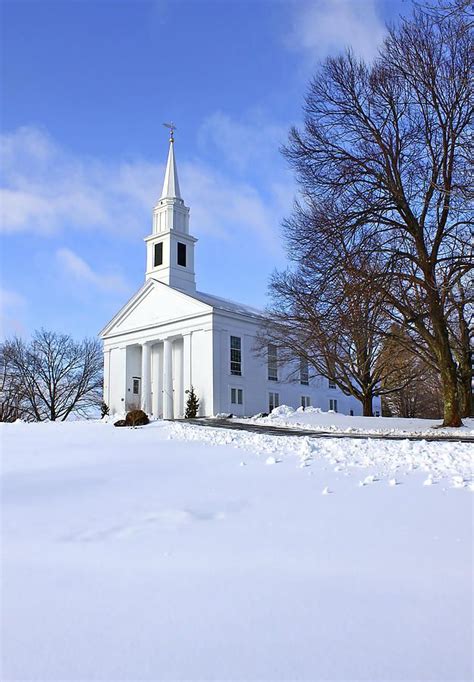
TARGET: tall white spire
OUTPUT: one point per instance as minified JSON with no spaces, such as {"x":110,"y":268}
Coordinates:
{"x":170,"y":247}
{"x":171,"y":183}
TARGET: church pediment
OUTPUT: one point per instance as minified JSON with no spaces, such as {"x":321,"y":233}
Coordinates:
{"x":154,"y":304}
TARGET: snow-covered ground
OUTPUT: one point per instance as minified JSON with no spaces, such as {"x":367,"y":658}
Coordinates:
{"x":173,"y":552}
{"x":315,"y":419}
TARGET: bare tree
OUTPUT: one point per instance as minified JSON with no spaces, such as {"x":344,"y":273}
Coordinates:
{"x":383,"y":163}
{"x":12,"y":395}
{"x":321,"y":315}
{"x":58,"y":376}
{"x":445,"y":9}
{"x":420,"y":396}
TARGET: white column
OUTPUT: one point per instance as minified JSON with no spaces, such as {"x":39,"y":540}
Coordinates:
{"x":167,"y":379}
{"x":156,"y":380}
{"x":106,"y":387}
{"x":146,"y":369}
{"x":187,"y":373}
{"x":178,"y":392}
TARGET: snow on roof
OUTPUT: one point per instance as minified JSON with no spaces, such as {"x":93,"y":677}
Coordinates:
{"x":225,"y":304}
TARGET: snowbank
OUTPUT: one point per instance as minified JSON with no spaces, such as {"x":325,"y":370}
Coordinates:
{"x":442,"y":460}
{"x":315,"y":419}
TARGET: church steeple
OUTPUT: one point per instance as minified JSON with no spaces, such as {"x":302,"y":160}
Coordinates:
{"x":170,"y":247}
{"x":171,"y":183}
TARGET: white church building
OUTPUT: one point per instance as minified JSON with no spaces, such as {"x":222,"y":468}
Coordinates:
{"x":169,"y":337}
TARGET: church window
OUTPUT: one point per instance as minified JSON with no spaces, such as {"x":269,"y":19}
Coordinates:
{"x":305,"y":401}
{"x":272,"y":362}
{"x":273,"y":401}
{"x":236,"y":355}
{"x":331,"y":383}
{"x":333,"y":405}
{"x":304,"y":372}
{"x":136,"y":386}
{"x":158,"y":255}
{"x":236,"y":396}
{"x":182,"y":254}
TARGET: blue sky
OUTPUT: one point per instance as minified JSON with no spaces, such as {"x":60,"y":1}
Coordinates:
{"x":86,"y":88}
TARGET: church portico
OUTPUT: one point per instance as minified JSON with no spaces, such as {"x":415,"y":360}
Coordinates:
{"x":155,"y":375}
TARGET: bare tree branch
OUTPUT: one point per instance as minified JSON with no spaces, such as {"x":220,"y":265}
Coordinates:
{"x":53,"y":376}
{"x":383,"y":168}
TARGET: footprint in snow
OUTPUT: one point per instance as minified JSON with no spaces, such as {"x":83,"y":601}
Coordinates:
{"x":326,"y":491}
{"x":272,"y":460}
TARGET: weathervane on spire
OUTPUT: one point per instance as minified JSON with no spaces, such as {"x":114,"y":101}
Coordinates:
{"x":172,"y":128}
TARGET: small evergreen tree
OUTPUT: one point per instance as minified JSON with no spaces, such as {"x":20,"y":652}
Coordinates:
{"x":192,"y":404}
{"x":104,"y":409}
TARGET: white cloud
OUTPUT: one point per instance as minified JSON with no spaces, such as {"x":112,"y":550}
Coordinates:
{"x":226,"y":208}
{"x":45,"y":189}
{"x":11,"y":299}
{"x":12,"y":307}
{"x":48,"y":190}
{"x":249,"y":147}
{"x":251,"y":142}
{"x":330,"y":26}
{"x":77,"y":268}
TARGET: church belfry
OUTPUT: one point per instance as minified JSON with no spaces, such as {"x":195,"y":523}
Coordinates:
{"x":170,"y":247}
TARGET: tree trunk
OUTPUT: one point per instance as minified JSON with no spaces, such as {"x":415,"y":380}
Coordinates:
{"x":464,"y":359}
{"x":465,"y":394}
{"x":367,"y":405}
{"x":443,"y":351}
{"x":452,"y":412}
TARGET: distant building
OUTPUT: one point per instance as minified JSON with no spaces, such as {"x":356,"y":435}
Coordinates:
{"x":169,"y":337}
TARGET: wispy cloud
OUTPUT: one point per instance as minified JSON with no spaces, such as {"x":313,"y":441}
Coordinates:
{"x":225,"y":208}
{"x":45,"y":189}
{"x":11,"y":299}
{"x":258,"y":188}
{"x":249,"y":143}
{"x":330,"y":26}
{"x":48,"y":190}
{"x":76,"y":267}
{"x":12,"y":307}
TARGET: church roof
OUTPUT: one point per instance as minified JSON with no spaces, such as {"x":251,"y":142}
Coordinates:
{"x":171,"y":183}
{"x":214,"y":302}
{"x":226,"y":304}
